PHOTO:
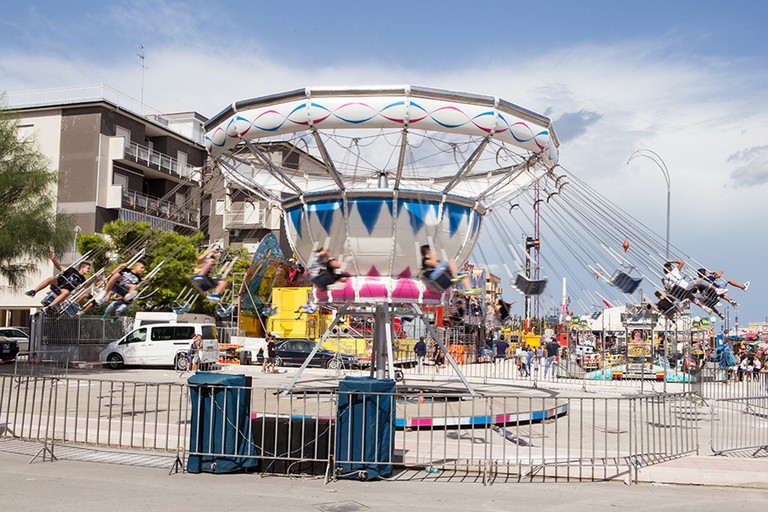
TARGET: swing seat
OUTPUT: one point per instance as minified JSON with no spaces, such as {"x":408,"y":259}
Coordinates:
{"x":71,"y":309}
{"x":625,"y":282}
{"x":120,"y":290}
{"x":438,"y":284}
{"x":708,"y":298}
{"x":680,"y":293}
{"x":268,"y":311}
{"x":202,"y":283}
{"x":49,"y":298}
{"x":180,"y":309}
{"x":223,"y":310}
{"x":669,"y":313}
{"x":529,"y":287}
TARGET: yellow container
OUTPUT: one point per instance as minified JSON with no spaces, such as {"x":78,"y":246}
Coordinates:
{"x":287,"y":301}
{"x":531,"y":339}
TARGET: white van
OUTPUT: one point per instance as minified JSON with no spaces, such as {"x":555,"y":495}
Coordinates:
{"x":161,"y":345}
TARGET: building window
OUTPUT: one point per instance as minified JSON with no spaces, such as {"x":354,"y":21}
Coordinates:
{"x":120,"y":179}
{"x":181,"y":157}
{"x":26,"y":131}
{"x":125,"y":133}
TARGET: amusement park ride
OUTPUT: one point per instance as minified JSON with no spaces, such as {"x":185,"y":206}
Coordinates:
{"x":375,"y":174}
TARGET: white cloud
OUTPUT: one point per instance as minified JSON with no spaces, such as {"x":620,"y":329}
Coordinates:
{"x":753,"y":169}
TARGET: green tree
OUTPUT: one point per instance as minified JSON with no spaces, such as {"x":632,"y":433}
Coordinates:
{"x":30,"y":226}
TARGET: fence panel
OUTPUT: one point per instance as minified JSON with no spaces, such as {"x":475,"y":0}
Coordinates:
{"x":739,"y":424}
{"x":113,"y":414}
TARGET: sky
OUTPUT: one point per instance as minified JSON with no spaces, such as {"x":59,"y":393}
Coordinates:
{"x":686,"y":79}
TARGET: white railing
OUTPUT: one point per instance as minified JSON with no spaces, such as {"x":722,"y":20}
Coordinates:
{"x":161,"y":161}
{"x":139,"y":202}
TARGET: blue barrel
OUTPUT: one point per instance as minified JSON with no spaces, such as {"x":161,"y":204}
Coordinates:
{"x":365,"y":443}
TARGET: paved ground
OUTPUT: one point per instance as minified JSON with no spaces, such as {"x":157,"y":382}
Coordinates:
{"x":85,"y":487}
{"x":690,"y":483}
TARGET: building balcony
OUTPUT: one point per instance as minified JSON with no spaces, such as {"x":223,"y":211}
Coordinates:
{"x":159,"y":213}
{"x":161,"y":162}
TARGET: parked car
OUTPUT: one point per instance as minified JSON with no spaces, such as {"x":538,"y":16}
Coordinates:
{"x":295,"y":352}
{"x":18,"y":334}
{"x":161,"y":345}
{"x":9,"y":347}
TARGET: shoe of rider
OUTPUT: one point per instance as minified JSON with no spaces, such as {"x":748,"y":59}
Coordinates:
{"x":32,"y":293}
{"x":459,"y":277}
{"x":214,"y":297}
{"x":472,"y":292}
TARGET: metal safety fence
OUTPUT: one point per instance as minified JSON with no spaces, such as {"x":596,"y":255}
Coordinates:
{"x":494,"y":437}
{"x":98,"y":413}
{"x":739,"y":425}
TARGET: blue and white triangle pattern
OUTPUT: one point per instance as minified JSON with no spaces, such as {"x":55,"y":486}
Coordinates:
{"x":382,"y":235}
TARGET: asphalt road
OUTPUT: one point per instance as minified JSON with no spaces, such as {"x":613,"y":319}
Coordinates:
{"x":91,"y":487}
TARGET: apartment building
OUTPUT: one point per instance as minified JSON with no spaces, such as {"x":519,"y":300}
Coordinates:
{"x":116,"y":159}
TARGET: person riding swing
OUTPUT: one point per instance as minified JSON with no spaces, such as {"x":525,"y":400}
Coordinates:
{"x":441,"y":275}
{"x":325,"y":271}
{"x":64,"y":283}
{"x":203,"y":278}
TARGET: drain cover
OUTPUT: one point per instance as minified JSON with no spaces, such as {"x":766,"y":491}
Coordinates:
{"x":341,"y":506}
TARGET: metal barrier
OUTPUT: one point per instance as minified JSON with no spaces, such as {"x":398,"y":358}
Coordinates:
{"x":82,"y":336}
{"x":496,"y":437}
{"x":98,"y":413}
{"x":492,"y":437}
{"x":715,"y":383}
{"x":565,"y":374}
{"x":739,"y":424}
{"x":51,"y":363}
{"x":78,"y":330}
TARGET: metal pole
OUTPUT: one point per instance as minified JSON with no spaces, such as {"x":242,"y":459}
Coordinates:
{"x":655,"y":158}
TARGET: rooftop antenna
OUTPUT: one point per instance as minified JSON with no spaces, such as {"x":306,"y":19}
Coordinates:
{"x":143,"y":67}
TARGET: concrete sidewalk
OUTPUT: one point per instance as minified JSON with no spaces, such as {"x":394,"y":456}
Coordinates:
{"x":728,"y":471}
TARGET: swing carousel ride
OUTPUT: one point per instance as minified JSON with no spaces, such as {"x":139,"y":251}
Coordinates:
{"x":373,"y":174}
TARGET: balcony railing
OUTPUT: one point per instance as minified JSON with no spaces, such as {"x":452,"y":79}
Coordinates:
{"x":166,"y":210}
{"x":160,"y":161}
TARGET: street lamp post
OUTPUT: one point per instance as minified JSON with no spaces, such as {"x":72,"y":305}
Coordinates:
{"x":653,"y":156}
{"x":78,"y":229}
